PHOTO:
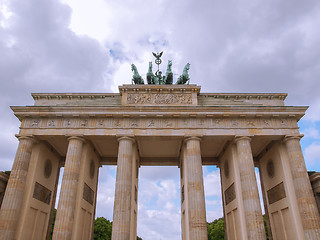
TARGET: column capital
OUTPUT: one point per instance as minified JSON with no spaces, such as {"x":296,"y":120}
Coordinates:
{"x":130,"y":138}
{"x":78,"y":137}
{"x":291,"y":137}
{"x":238,"y":138}
{"x":187,"y":138}
{"x":27,"y":137}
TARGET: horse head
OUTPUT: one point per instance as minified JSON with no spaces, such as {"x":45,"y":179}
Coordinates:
{"x":187,"y":67}
{"x":133,"y":68}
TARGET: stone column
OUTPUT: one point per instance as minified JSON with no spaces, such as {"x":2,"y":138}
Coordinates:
{"x":68,"y":193}
{"x":122,"y":197}
{"x":250,"y":194}
{"x":11,"y":205}
{"x":196,"y":203}
{"x":306,"y":201}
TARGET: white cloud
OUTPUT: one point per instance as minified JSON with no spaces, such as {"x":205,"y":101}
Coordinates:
{"x":106,"y":188}
{"x":212,"y":184}
{"x":311,"y":132}
{"x":159,"y":203}
{"x":88,"y":46}
{"x":312,"y":154}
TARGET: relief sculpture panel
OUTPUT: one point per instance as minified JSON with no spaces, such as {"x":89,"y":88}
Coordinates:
{"x":156,"y":99}
{"x":162,"y":122}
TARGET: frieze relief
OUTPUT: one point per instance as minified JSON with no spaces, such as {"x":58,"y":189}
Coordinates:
{"x":150,"y":98}
{"x":161,"y":122}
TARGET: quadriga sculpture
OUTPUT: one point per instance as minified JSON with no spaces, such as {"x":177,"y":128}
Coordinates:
{"x":169,"y":74}
{"x":136,"y":78}
{"x":185,"y":75}
{"x":151,"y":78}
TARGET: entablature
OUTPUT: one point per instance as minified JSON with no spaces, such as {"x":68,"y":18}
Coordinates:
{"x":158,"y":111}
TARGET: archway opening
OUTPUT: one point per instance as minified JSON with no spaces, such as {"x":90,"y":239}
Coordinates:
{"x":159,"y":198}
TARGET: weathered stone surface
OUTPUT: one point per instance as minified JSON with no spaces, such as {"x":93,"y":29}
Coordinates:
{"x":11,"y":205}
{"x":306,"y":201}
{"x":68,"y":194}
{"x":159,"y":119}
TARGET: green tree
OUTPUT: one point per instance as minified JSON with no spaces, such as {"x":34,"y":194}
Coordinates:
{"x":266,"y":226}
{"x":216,"y":229}
{"x":102,"y":229}
{"x":53,"y":220}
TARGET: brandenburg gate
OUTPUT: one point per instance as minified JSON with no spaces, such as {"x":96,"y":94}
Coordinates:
{"x":146,"y":125}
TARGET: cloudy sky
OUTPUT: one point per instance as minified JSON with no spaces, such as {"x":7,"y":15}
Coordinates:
{"x":88,"y":46}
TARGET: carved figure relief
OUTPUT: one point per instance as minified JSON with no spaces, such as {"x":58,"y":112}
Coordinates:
{"x":84,"y":123}
{"x":100,"y":122}
{"x":235,"y":123}
{"x":134,"y":123}
{"x":266,"y":122}
{"x":51,"y":123}
{"x":283,"y":122}
{"x":148,"y":98}
{"x":117,"y":123}
{"x":191,"y":122}
{"x":185,"y":122}
{"x":250,"y":123}
{"x":167,"y":123}
{"x":217,"y":122}
{"x":150,"y":123}
{"x":35,"y":123}
{"x":67,"y":123}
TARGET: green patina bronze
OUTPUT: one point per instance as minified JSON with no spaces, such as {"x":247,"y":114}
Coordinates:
{"x":157,"y":78}
{"x":185,"y":75}
{"x":169,"y":74}
{"x":136,"y":78}
{"x":151,"y":78}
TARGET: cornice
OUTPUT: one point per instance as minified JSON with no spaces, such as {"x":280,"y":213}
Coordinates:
{"x":295,"y":112}
{"x":270,"y":96}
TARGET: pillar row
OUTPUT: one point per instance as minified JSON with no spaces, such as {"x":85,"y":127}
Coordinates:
{"x":68,"y":193}
{"x":13,"y":197}
{"x":195,"y":191}
{"x":306,"y":201}
{"x":123,"y":194}
{"x":249,"y":187}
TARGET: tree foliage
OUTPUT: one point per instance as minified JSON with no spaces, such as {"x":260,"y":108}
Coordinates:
{"x":102,"y":229}
{"x":216,"y":229}
{"x":53,"y":221}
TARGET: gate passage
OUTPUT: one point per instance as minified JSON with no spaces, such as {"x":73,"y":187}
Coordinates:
{"x":156,"y":124}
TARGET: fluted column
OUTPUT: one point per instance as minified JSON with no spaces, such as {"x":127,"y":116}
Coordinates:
{"x":249,"y":187}
{"x":306,"y":201}
{"x":122,"y":197}
{"x":13,"y":197}
{"x":68,"y":193}
{"x":195,"y":193}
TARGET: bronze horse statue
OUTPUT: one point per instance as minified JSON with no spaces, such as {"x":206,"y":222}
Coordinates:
{"x":136,"y":78}
{"x":169,"y":74}
{"x":151,"y":78}
{"x":185,"y":75}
